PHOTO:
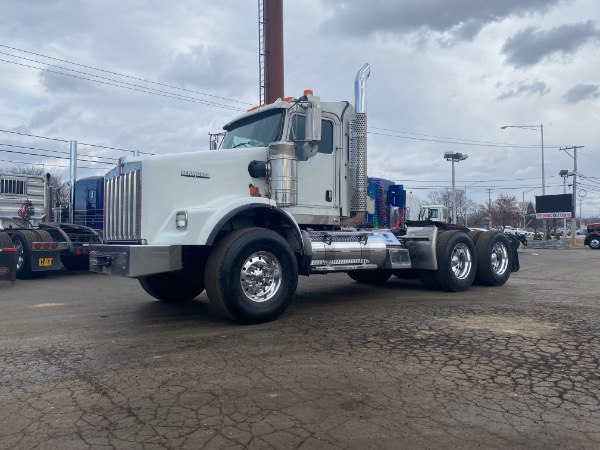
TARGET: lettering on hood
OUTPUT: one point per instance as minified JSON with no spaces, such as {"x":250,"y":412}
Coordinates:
{"x":195,"y":174}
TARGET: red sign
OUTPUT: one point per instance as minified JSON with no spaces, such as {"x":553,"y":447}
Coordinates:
{"x":556,"y":215}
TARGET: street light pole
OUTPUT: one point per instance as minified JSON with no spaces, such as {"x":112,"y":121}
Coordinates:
{"x":454,"y":157}
{"x":453,"y":196}
{"x":543,"y":170}
{"x":525,"y":208}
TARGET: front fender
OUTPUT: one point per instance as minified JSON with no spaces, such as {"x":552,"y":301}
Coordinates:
{"x":204,"y":223}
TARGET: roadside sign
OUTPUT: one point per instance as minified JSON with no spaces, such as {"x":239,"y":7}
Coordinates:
{"x":554,"y":215}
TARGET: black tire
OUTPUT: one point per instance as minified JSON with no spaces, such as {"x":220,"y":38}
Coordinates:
{"x":43,"y":236}
{"x":514,"y":241}
{"x":22,"y":241}
{"x":457,"y":264}
{"x":172,"y":287}
{"x":475,"y":235}
{"x":594,"y":243}
{"x":370,"y":276}
{"x":236,"y":296}
{"x":494,"y":259}
{"x":5,"y":241}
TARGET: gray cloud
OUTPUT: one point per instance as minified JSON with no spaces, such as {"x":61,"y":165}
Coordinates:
{"x":57,"y":83}
{"x":526,"y":88}
{"x":530,"y":46}
{"x":206,"y":66}
{"x":462,"y":20}
{"x":582,"y":92}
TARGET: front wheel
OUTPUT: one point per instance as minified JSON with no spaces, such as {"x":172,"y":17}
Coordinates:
{"x":172,"y":287}
{"x":594,"y":243}
{"x":251,"y":275}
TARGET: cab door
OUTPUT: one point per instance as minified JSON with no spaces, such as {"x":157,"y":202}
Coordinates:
{"x":318,"y":182}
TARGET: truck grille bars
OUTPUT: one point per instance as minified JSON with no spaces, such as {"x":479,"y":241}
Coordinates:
{"x":123,"y":203}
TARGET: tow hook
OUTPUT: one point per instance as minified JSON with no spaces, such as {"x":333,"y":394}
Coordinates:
{"x":99,"y":260}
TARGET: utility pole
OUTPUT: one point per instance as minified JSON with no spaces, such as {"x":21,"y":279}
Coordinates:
{"x":574,"y":218}
{"x":490,"y":208}
{"x":524,"y":212}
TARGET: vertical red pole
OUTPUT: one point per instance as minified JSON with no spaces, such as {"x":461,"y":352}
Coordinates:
{"x":273,"y":50}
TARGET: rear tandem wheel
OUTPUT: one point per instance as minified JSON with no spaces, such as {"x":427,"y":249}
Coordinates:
{"x":457,"y":265}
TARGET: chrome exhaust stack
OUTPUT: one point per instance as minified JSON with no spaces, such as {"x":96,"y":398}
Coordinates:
{"x":358,"y":143}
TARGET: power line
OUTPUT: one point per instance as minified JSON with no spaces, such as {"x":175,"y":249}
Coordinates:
{"x":118,"y":74}
{"x":34,"y":135}
{"x":46,"y":164}
{"x":54,"y":151}
{"x":138,"y":88}
{"x":134,"y":87}
{"x":472,"y":144}
{"x":450,"y":139}
{"x":50,"y":156}
{"x":151,"y":90}
{"x":79,"y":143}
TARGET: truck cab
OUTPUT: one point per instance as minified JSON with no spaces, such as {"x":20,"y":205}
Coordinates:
{"x":435,"y":213}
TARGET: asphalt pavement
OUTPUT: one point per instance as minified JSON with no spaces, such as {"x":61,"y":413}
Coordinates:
{"x":91,"y":361}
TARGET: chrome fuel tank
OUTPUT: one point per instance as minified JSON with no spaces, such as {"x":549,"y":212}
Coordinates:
{"x":338,"y":251}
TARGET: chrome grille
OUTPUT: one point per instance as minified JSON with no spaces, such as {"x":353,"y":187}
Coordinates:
{"x":123,"y":203}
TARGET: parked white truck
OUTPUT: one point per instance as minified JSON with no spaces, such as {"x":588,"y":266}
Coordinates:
{"x":287,"y":194}
{"x":435,"y":213}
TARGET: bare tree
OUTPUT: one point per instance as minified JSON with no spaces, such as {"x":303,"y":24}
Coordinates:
{"x":478,"y":215}
{"x":505,"y":210}
{"x":441,"y":197}
{"x":60,"y":187}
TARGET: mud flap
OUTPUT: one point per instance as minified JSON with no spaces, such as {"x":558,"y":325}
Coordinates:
{"x":515,"y":265}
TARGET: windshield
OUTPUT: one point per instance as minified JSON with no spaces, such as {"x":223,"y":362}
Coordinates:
{"x":255,"y":131}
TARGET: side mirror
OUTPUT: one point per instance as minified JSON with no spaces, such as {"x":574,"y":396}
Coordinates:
{"x":314,"y":113}
{"x":312,"y":130}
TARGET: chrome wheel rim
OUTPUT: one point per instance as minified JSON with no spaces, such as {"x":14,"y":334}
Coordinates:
{"x":461,"y":261}
{"x":499,"y":258}
{"x":595,"y":243}
{"x":260,"y":276}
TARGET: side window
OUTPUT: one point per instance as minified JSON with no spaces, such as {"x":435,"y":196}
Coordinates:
{"x":297,"y":133}
{"x":434,"y":213}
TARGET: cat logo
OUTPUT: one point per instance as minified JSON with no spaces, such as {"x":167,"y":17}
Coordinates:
{"x":45,"y":262}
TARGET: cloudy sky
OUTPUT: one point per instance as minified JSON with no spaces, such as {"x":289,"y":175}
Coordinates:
{"x":158,"y":76}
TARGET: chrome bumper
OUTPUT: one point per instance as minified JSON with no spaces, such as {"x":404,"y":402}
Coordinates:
{"x":134,"y":261}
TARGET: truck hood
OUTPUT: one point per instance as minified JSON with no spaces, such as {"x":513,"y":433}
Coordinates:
{"x":200,"y":183}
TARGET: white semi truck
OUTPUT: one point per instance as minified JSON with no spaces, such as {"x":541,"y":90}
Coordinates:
{"x":287,"y":194}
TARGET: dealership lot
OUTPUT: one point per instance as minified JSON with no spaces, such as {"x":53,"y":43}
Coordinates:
{"x":88,"y":361}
